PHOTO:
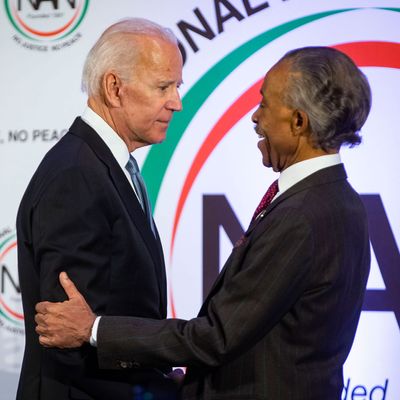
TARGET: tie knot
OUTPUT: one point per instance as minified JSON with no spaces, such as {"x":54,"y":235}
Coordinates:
{"x":132,"y":166}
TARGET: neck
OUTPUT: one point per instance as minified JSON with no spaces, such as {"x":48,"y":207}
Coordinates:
{"x":102,"y":110}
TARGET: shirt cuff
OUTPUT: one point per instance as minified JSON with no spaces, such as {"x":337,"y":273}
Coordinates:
{"x":93,"y":336}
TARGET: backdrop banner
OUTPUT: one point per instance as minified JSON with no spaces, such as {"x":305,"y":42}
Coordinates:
{"x":205,"y":180}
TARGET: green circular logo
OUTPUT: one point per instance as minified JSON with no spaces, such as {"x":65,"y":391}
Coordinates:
{"x":46,"y":20}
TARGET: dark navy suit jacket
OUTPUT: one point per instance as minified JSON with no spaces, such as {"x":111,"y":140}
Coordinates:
{"x":80,"y":214}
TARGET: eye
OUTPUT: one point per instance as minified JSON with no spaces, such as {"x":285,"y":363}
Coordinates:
{"x":163,"y":88}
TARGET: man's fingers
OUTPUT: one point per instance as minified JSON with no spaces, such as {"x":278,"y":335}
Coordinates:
{"x":45,"y":341}
{"x":40,"y":319}
{"x":42,"y":307}
{"x":41,"y":329}
{"x":69,"y":287}
{"x":177,"y":375}
{"x":65,"y":324}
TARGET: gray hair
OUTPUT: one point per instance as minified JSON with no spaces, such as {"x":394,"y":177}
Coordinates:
{"x":327,"y":85}
{"x":117,"y":49}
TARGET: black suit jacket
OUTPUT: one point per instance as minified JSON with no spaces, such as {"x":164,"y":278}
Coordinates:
{"x":280,"y":320}
{"x":80,"y":214}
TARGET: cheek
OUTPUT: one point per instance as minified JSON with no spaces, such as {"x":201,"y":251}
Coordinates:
{"x":264,"y":119}
{"x":143,"y":117}
{"x":154,"y":111}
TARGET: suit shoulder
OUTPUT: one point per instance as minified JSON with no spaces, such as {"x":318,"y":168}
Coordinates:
{"x":70,"y":159}
{"x":70,"y":150}
{"x":333,"y":204}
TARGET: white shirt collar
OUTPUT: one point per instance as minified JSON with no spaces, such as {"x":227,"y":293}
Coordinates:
{"x":296,"y":172}
{"x":111,"y":138}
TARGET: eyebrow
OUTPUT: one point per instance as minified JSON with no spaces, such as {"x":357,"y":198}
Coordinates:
{"x":170,"y":82}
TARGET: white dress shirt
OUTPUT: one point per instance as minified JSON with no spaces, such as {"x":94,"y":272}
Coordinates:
{"x":297,"y":172}
{"x":111,"y":138}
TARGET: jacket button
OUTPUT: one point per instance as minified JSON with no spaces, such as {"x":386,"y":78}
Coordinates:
{"x":125,"y":364}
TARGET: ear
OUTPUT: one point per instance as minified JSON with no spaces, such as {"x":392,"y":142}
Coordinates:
{"x":300,"y":122}
{"x":111,"y":85}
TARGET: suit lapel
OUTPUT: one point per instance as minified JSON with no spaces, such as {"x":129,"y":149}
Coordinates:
{"x":237,"y":254}
{"x":323,"y":176}
{"x":85,"y":132}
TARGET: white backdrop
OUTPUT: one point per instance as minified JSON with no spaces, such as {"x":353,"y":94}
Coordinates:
{"x":211,"y":146}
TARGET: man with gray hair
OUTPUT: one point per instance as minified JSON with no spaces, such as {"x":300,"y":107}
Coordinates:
{"x":279,"y":322}
{"x":86,"y":211}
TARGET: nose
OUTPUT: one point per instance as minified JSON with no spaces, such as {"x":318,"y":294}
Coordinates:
{"x":254,"y":117}
{"x":175,"y":102}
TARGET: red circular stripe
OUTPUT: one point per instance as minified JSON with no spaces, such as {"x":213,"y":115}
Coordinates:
{"x":11,"y":312}
{"x":2,"y":303}
{"x":7,"y":249}
{"x":50,"y":33}
{"x":372,"y":54}
{"x":364,"y":54}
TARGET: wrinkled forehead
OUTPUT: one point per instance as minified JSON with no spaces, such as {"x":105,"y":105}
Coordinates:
{"x":155,"y":48}
{"x":158,"y":58}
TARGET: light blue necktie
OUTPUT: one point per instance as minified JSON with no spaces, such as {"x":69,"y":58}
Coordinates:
{"x":140,"y":188}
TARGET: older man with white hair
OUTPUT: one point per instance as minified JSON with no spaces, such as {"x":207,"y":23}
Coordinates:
{"x":86,"y":211}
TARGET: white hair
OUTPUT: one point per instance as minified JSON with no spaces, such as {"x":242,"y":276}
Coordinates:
{"x":117,"y":50}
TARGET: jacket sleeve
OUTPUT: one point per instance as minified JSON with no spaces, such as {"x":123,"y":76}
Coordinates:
{"x":71,"y":232}
{"x":262,"y":280}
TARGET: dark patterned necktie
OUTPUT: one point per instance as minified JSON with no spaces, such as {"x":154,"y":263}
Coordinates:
{"x":140,"y":188}
{"x":266,"y":200}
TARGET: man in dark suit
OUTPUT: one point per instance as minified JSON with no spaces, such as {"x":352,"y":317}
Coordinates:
{"x":82,"y":212}
{"x":280,"y":320}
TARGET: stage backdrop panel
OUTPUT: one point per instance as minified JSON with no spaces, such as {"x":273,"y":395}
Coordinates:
{"x":209,"y":163}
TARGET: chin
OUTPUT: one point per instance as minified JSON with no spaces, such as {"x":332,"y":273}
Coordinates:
{"x":266,"y":159}
{"x":268,"y":165}
{"x":158,"y":138}
{"x":162,"y":138}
